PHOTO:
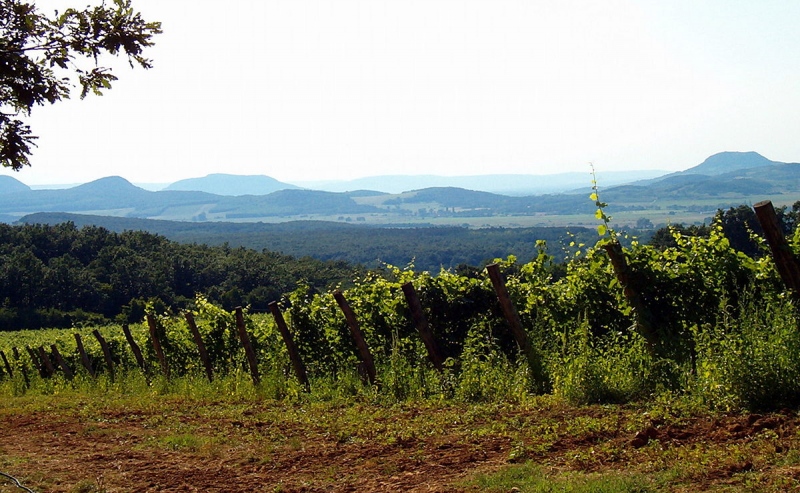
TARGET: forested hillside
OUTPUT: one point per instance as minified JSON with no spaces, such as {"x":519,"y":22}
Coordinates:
{"x":429,"y":248}
{"x":61,"y":275}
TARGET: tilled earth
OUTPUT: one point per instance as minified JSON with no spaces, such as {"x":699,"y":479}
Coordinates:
{"x":183,"y":448}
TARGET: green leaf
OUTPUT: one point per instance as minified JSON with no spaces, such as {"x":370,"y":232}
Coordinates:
{"x":593,"y":196}
{"x":602,"y":230}
{"x":598,"y":214}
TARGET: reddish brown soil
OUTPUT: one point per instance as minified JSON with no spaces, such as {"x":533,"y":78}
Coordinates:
{"x":58,"y":452}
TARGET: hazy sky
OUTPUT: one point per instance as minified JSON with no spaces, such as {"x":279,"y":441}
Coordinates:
{"x":307,"y":89}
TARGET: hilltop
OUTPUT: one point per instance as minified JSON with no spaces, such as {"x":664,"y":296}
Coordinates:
{"x":227,"y":184}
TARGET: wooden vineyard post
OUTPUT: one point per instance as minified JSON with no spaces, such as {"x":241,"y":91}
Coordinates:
{"x":628,"y":281}
{"x":248,"y":348}
{"x":201,"y":348}
{"x":84,"y":357}
{"x":512,"y":317}
{"x":37,"y":364}
{"x":785,"y":260}
{"x":358,"y":336}
{"x":48,"y":365}
{"x":60,"y":360}
{"x":151,"y":323}
{"x":6,"y":364}
{"x":294,"y":355}
{"x":137,"y":352}
{"x":422,"y":325}
{"x":510,"y":312}
{"x":106,"y":351}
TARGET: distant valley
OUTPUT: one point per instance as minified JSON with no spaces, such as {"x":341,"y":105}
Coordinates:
{"x":723,"y":180}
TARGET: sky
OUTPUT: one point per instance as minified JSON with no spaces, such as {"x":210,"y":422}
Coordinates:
{"x":305,"y":90}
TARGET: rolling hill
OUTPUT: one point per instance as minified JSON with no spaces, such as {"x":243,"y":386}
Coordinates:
{"x":503,"y":184}
{"x":723,"y":180}
{"x":115,"y":196}
{"x":9,"y":184}
{"x":235,"y":185}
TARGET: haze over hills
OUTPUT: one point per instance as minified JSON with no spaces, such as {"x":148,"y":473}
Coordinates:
{"x":518,"y":185}
{"x":723,"y":180}
{"x":719,"y":164}
{"x":729,"y":162}
{"x":234,"y":185}
{"x":726,"y":174}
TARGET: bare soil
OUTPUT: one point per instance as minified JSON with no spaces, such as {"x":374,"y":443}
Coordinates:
{"x":178,"y":450}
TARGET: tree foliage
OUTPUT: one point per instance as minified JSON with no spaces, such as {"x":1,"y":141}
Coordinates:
{"x":740,"y":225}
{"x":61,"y":275}
{"x":41,"y":56}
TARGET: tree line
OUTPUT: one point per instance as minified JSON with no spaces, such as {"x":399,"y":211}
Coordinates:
{"x":60,"y":275}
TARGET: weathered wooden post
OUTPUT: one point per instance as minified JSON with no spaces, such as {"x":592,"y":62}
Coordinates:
{"x":294,"y":355}
{"x":61,"y":362}
{"x":418,"y":315}
{"x":785,"y":260}
{"x":358,"y":336}
{"x":201,"y":348}
{"x":137,"y":352}
{"x":48,"y":365}
{"x":248,"y":348}
{"x":151,"y":323}
{"x":512,"y":317}
{"x":630,"y":284}
{"x":37,"y":364}
{"x":509,"y":310}
{"x":84,"y":357}
{"x":106,"y":351}
{"x":7,"y":365}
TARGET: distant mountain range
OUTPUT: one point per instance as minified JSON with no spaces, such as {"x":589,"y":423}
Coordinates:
{"x":729,"y":176}
{"x":518,"y":185}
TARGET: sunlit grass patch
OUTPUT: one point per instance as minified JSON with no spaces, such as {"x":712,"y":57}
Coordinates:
{"x":532,"y":478}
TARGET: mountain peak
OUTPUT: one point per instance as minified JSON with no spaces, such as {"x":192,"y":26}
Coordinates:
{"x":109,"y":183}
{"x":725,"y":162}
{"x":9,"y":184}
{"x":227,"y":184}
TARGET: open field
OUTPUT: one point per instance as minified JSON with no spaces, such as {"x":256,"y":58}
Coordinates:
{"x":660,"y":212}
{"x":163,"y":439}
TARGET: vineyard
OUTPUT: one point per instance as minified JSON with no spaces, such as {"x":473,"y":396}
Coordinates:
{"x":617,"y":325}
{"x":697,"y":319}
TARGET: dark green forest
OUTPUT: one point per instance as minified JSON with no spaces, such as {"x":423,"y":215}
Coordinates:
{"x":57,"y":276}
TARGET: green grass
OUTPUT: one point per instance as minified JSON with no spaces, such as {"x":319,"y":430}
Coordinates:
{"x":532,"y":478}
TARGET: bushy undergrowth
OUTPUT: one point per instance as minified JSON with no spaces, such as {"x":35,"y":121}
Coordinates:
{"x":751,"y":361}
{"x":722,"y":331}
